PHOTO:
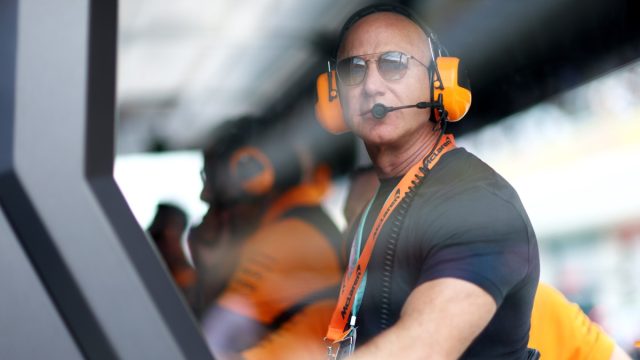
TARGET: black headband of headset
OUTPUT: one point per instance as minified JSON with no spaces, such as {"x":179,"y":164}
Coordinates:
{"x":393,"y":8}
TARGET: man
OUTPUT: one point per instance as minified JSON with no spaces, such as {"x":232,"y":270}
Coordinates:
{"x":274,"y":294}
{"x":453,"y":268}
{"x":560,"y":330}
{"x":167,"y":229}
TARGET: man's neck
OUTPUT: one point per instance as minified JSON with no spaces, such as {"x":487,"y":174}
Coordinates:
{"x":396,"y":160}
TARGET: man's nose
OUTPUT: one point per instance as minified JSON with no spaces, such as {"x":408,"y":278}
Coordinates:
{"x":373,"y":83}
{"x":205,"y":194}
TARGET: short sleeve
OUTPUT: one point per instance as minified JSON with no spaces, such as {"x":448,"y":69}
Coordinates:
{"x":478,"y":237}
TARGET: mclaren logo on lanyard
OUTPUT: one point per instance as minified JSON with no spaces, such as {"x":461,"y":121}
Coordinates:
{"x":337,"y":331}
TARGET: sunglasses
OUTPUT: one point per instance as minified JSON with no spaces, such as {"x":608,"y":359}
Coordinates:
{"x":392,"y":65}
{"x":203,"y":176}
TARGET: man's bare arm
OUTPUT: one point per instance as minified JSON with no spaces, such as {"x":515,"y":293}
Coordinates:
{"x":439,"y":321}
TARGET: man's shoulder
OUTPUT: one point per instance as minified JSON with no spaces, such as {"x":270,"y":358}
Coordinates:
{"x":462,"y":174}
{"x":464,"y":187}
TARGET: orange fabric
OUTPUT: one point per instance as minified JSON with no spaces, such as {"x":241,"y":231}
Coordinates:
{"x":299,"y":339}
{"x":284,"y":260}
{"x":279,"y":266}
{"x":308,"y":194}
{"x":561,"y":331}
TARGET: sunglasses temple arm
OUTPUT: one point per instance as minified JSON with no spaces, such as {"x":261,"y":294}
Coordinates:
{"x":330,"y":78}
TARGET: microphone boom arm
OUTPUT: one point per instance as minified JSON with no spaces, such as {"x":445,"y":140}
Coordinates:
{"x":380,"y":110}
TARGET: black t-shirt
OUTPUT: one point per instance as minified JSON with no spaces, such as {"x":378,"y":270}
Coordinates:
{"x":465,"y":222}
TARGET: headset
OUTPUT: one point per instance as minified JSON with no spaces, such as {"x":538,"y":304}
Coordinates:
{"x":450,"y":89}
{"x":238,"y":166}
{"x":252,"y":170}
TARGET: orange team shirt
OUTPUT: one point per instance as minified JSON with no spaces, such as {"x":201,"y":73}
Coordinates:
{"x":285,"y":260}
{"x":283,"y":263}
{"x":561,"y":331}
{"x":280,"y":265}
{"x":298,"y":339}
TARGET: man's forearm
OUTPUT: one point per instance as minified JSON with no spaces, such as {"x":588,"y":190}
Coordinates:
{"x":439,"y":321}
{"x":395,"y":343}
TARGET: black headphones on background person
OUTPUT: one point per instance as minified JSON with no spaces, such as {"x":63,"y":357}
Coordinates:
{"x":450,"y":89}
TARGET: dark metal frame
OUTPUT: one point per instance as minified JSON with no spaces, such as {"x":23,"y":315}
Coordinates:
{"x":57,"y":98}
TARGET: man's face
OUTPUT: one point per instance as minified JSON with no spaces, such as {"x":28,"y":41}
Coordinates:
{"x":216,"y":187}
{"x":378,"y":33}
{"x":223,"y":196}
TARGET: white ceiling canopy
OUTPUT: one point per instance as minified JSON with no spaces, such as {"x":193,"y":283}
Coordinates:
{"x":184,"y":66}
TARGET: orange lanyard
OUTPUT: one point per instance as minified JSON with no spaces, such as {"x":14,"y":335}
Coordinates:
{"x":353,"y":278}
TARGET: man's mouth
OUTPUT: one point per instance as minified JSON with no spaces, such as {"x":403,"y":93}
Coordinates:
{"x":366,"y":112}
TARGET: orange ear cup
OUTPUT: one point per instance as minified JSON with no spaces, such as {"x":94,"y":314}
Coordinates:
{"x":456,"y":98}
{"x":328,"y":107}
{"x":253,"y":170}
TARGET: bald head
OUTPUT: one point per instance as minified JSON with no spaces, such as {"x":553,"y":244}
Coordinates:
{"x":385,"y":31}
{"x":368,"y":38}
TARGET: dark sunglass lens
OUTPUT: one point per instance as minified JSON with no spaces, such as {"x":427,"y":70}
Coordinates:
{"x":393,"y":65}
{"x":351,"y":71}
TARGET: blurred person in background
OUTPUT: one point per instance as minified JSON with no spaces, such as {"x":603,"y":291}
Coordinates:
{"x":560,"y":330}
{"x":214,"y":245}
{"x":167,"y":229}
{"x":266,"y":252}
